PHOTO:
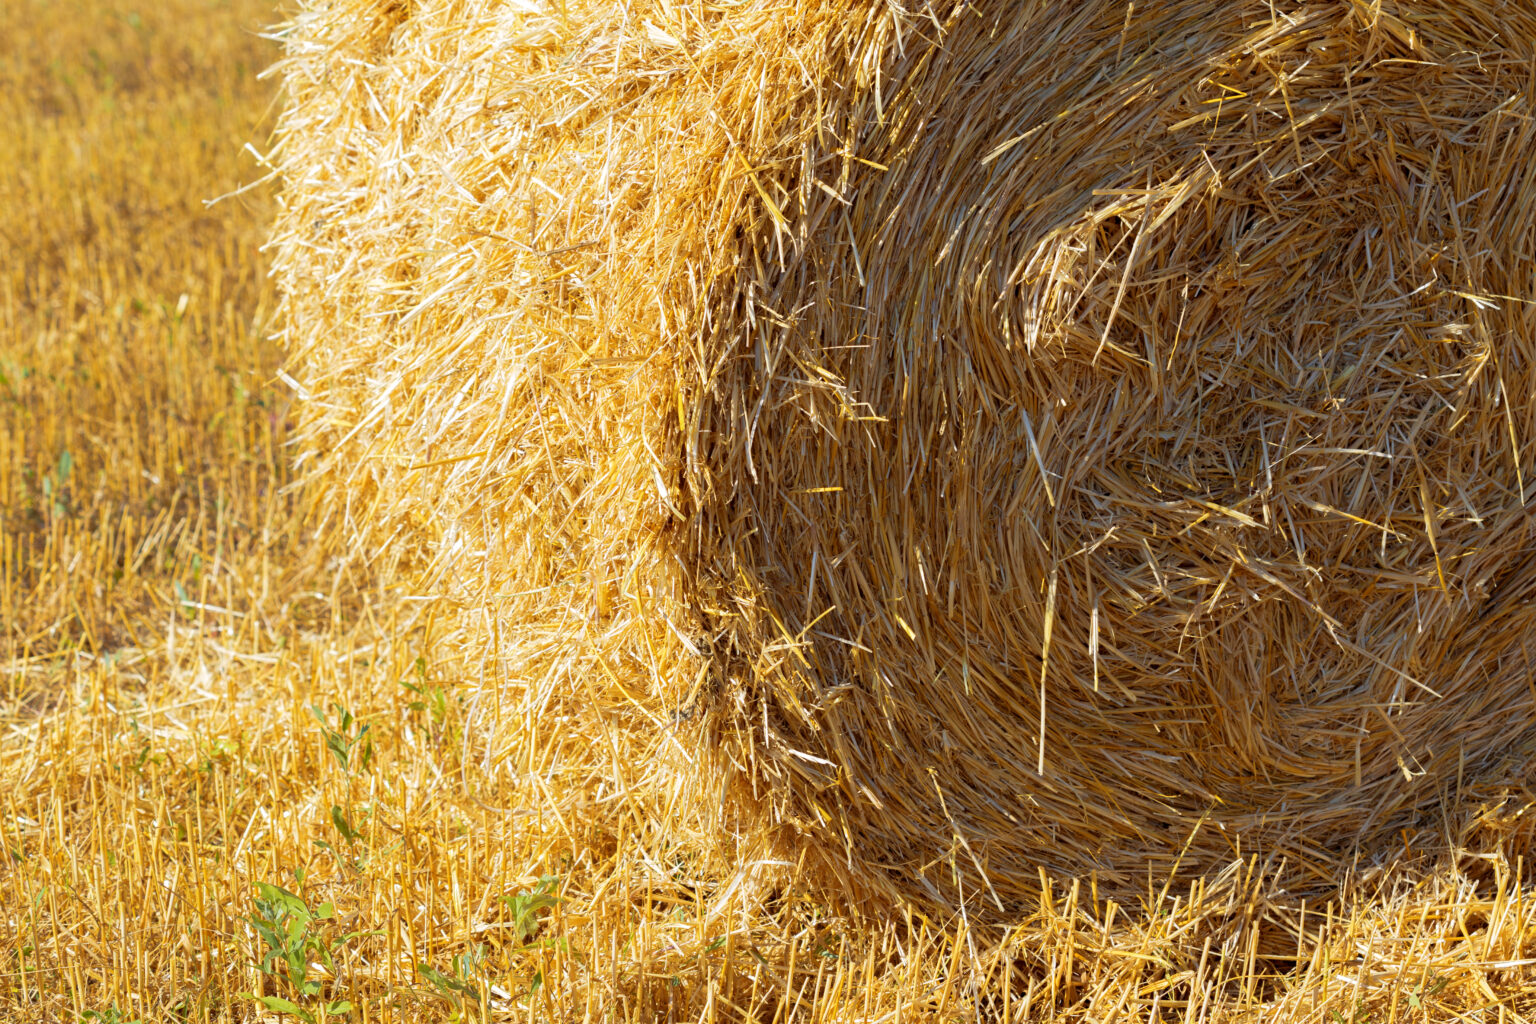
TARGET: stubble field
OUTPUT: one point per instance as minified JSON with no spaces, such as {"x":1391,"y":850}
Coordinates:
{"x":175,"y":656}
{"x":241,"y":779}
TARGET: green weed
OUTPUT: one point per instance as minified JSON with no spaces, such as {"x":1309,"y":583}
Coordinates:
{"x":531,"y":907}
{"x":464,"y":986}
{"x":295,"y":936}
{"x":348,"y":740}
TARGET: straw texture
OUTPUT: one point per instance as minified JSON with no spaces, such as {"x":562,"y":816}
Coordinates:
{"x":1136,"y":444}
{"x":954,"y":444}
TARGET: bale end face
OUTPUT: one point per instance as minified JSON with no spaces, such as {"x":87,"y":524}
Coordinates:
{"x":1134,"y":452}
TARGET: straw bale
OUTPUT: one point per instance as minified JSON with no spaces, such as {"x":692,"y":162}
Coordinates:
{"x":971,"y":441}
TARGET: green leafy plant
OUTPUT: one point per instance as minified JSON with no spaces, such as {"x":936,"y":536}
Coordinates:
{"x":349,"y":835}
{"x":531,"y":907}
{"x":1430,"y":986}
{"x":464,"y":986}
{"x":55,"y":484}
{"x":348,"y":740}
{"x":140,"y":759}
{"x":1360,"y":1015}
{"x":294,"y":936}
{"x":344,"y":826}
{"x":111,"y":1015}
{"x":216,"y":754}
{"x":430,"y":699}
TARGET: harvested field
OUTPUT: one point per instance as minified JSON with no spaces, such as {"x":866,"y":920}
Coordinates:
{"x":767,"y":514}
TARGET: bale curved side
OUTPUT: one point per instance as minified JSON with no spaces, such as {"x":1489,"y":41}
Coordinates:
{"x":496,"y":226}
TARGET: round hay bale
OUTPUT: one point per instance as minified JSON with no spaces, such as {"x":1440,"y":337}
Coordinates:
{"x":1136,"y":444}
{"x":1064,"y":436}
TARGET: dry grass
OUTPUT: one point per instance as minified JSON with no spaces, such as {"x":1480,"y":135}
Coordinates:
{"x":171,"y":612}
